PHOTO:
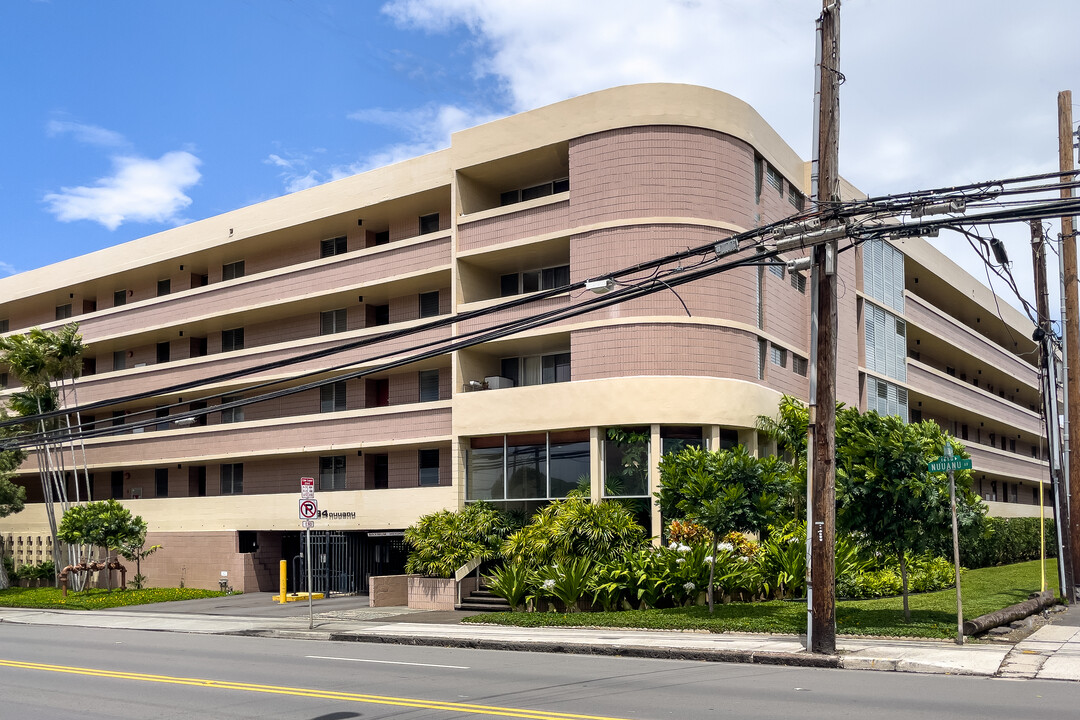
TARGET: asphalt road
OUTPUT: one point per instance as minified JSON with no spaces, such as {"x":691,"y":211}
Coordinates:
{"x":50,"y":673}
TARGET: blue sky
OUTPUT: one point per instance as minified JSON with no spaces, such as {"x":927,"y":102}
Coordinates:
{"x":126,"y":117}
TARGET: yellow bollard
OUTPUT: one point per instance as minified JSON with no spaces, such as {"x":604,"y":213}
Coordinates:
{"x":283,"y":569}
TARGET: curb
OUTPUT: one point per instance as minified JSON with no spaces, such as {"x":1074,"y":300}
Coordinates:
{"x":635,"y":651}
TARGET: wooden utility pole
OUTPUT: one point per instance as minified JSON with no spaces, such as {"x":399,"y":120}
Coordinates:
{"x":1072,"y":335}
{"x":821,"y":530}
{"x":1048,"y":388}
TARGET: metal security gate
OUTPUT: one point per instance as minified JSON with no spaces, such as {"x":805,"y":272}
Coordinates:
{"x":382,"y":553}
{"x":334,"y":562}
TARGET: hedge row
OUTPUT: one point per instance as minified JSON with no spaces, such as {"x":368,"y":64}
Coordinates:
{"x":1001,"y":541}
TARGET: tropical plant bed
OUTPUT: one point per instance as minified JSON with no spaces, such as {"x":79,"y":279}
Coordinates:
{"x":97,"y":599}
{"x":933,"y":614}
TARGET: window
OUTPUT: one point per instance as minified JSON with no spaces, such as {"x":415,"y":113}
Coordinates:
{"x":429,"y":223}
{"x":232,"y":479}
{"x":798,"y":281}
{"x":536,"y":191}
{"x":119,"y":297}
{"x":161,"y":413}
{"x":759,"y":170}
{"x":3,"y":380}
{"x":197,"y":347}
{"x":429,"y":467}
{"x":429,"y":304}
{"x":777,"y":269}
{"x":886,"y":398}
{"x":759,"y":297}
{"x":332,"y":472}
{"x":762,"y":348}
{"x":333,"y":246}
{"x":118,"y":418}
{"x":333,"y":321}
{"x":380,"y":471}
{"x":883,"y":273}
{"x":63,"y":312}
{"x":232,"y":339}
{"x":885,"y":343}
{"x":4,"y":326}
{"x":161,"y":482}
{"x":332,"y":397}
{"x":676,"y":439}
{"x":774,"y":178}
{"x":116,"y":485}
{"x":164,"y":287}
{"x":779,"y":356}
{"x":119,"y":360}
{"x":163,"y":352}
{"x":429,"y":385}
{"x":533,"y":467}
{"x":533,"y":280}
{"x":231,"y":415}
{"x":796,"y":199}
{"x":537,"y":369}
{"x":798,"y":364}
{"x":232,"y":271}
{"x":382,"y":238}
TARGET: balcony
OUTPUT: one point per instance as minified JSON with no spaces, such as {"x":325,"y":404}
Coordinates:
{"x":93,"y":388}
{"x":951,"y":391}
{"x":1007,"y":464}
{"x":277,"y":436}
{"x":924,"y":315}
{"x":514,"y":222}
{"x":272,"y":288}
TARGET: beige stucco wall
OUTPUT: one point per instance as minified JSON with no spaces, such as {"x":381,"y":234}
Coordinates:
{"x":614,"y":401}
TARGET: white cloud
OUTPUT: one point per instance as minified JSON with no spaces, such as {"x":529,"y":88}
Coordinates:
{"x":425,"y":129}
{"x":936,"y":94}
{"x":7,"y":268}
{"x":89,"y":134}
{"x":139,"y":190}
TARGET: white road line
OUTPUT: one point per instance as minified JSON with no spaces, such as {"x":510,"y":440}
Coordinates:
{"x":387,"y":662}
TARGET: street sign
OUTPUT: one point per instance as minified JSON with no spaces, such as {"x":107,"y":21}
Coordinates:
{"x":308,"y":524}
{"x":307,"y":487}
{"x":309,"y":509}
{"x":952,"y":463}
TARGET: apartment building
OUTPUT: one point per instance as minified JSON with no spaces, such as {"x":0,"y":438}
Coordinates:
{"x":515,"y":207}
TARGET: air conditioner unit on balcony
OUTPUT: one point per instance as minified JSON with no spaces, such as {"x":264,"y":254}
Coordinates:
{"x":494,"y":382}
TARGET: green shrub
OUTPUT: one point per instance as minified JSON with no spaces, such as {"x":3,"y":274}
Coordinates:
{"x":1001,"y":541}
{"x":573,"y":528}
{"x":566,"y":581}
{"x":443,"y":541}
{"x":511,"y":582}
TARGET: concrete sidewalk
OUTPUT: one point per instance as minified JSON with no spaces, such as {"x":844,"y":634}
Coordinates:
{"x":1051,"y":652}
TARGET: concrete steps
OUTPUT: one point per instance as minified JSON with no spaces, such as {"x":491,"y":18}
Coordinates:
{"x":483,"y":600}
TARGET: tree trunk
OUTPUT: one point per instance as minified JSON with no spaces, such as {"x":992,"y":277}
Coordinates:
{"x":712,"y":573}
{"x":903,"y":583}
{"x":5,"y":583}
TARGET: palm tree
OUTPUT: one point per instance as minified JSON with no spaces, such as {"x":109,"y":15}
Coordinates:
{"x":39,"y":359}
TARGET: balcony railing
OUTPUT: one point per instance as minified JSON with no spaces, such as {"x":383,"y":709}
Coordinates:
{"x":270,"y":288}
{"x":919,"y":312}
{"x":284,"y":435}
{"x":926,"y":380}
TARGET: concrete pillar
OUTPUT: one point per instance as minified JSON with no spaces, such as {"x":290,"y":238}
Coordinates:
{"x":596,"y":464}
{"x":655,"y":453}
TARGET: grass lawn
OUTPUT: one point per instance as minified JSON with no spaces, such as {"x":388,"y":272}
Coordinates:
{"x":97,"y":599}
{"x":933,"y":615}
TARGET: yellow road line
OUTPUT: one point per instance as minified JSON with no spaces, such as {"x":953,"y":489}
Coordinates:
{"x":306,"y":692}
